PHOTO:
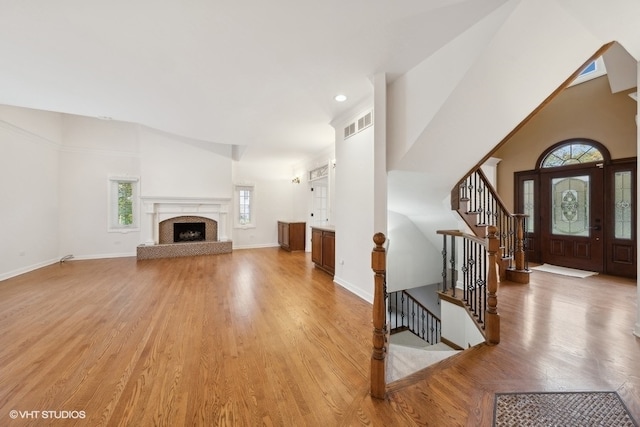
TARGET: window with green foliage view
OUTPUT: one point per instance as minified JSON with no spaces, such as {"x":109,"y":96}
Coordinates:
{"x":123,"y":204}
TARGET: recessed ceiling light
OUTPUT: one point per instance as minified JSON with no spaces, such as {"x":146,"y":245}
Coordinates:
{"x":340,"y":98}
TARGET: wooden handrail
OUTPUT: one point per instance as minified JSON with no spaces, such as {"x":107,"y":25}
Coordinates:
{"x":496,"y":196}
{"x":458,"y":233}
{"x":482,"y":207}
{"x":379,"y":353}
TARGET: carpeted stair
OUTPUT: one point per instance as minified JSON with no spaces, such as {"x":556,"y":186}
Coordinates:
{"x":409,"y":354}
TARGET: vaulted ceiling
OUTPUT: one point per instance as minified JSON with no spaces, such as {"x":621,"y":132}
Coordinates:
{"x":246,"y":73}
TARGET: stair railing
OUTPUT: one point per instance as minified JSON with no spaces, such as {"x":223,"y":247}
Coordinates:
{"x":479,"y":205}
{"x":407,"y":312}
{"x":470,"y":268}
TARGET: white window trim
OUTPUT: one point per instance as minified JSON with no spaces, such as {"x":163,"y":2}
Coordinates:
{"x":236,"y":206}
{"x":112,"y":205}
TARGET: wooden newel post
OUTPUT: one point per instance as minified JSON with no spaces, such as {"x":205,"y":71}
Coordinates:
{"x":378,"y":356}
{"x":492,"y":327}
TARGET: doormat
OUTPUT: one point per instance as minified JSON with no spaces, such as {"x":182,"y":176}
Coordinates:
{"x":564,"y":271}
{"x":561,"y":409}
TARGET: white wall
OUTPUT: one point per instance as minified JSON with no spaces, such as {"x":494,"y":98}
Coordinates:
{"x":92,"y":151}
{"x":173,"y":166}
{"x":29,"y":165}
{"x":412,"y":260}
{"x":416,"y":97}
{"x":354,"y":208}
{"x":274,"y":201}
{"x":458,"y":327}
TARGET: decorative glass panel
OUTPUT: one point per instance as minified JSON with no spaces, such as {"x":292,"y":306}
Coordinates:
{"x":320,"y":201}
{"x":318,"y":173}
{"x":573,"y":153}
{"x":529,"y":205}
{"x":570,"y":206}
{"x":623,"y":205}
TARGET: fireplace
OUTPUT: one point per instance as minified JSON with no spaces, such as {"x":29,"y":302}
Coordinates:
{"x":189,"y":232}
{"x":163,"y":240}
{"x":183,"y":229}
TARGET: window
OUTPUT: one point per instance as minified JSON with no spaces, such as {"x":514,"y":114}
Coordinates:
{"x":592,"y":70}
{"x":123,"y":204}
{"x":572,"y":153}
{"x":245,"y":206}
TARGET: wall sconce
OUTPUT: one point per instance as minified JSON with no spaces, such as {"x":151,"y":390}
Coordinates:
{"x":296,"y":180}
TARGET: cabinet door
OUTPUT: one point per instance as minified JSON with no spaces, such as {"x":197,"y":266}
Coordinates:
{"x":285,"y":235}
{"x":297,"y":236}
{"x":329,"y":251}
{"x":316,"y":246}
{"x":280,"y":232}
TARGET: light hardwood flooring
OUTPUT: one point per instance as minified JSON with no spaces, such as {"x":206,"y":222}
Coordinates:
{"x":260,"y":337}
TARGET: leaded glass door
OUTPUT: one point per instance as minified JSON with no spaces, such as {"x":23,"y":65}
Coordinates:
{"x":572,"y":226}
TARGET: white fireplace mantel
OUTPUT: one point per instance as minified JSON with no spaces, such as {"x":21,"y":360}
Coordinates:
{"x":158,"y":209}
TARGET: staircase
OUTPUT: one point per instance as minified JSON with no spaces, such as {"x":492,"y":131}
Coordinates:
{"x":470,"y":271}
{"x":479,"y":205}
{"x":483,"y":302}
{"x":408,"y":314}
{"x":415,"y":335}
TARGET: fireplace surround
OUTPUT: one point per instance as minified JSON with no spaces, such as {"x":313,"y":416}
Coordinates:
{"x":160,"y":215}
{"x":169,"y":230}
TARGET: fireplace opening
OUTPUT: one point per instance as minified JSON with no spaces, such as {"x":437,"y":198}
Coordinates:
{"x":188,"y":232}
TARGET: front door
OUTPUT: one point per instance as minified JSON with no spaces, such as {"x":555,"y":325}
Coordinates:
{"x":581,"y":208}
{"x":572,"y":218}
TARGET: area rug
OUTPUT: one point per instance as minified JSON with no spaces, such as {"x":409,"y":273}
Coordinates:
{"x":548,"y":268}
{"x":561,"y":409}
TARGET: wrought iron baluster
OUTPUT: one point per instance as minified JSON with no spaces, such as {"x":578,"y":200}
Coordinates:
{"x":444,"y":263}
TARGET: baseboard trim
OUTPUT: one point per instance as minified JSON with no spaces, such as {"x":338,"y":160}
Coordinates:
{"x":354,"y":289}
{"x":261,"y":246}
{"x":27,"y":269}
{"x":450,"y":344}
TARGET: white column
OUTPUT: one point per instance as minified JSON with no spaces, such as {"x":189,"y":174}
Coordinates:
{"x":149,"y":225}
{"x":223,"y":222}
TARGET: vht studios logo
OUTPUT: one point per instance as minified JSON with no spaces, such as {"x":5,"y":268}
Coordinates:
{"x":53,"y":415}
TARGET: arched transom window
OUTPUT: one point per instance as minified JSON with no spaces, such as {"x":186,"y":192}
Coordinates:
{"x":572,"y":153}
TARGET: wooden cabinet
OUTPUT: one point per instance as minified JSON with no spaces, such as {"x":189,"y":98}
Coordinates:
{"x":291,"y":235}
{"x":323,"y":249}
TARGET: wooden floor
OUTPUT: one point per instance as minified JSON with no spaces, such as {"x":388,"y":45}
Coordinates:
{"x":259,"y":337}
